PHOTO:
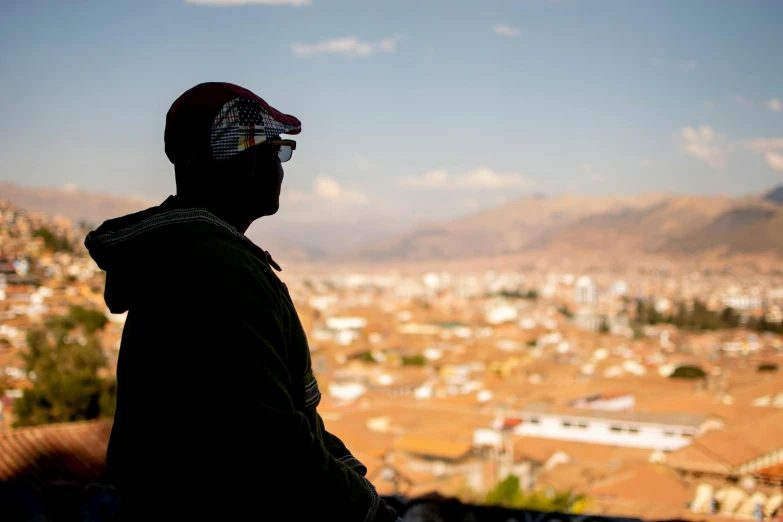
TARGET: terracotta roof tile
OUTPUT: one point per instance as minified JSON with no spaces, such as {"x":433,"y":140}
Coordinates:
{"x":448,"y":449}
{"x":73,"y":452}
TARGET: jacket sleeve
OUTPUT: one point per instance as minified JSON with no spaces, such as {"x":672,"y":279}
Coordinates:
{"x":246,"y":312}
{"x":337,"y":449}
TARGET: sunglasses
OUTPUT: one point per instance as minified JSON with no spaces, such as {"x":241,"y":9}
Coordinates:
{"x":285,"y":148}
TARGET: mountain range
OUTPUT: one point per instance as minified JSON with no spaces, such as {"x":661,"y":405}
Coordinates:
{"x":655,"y":224}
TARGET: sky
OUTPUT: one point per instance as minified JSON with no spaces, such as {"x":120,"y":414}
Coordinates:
{"x":411,"y":109}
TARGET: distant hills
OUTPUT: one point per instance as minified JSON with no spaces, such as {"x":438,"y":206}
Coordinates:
{"x":665,"y":224}
{"x":93,"y":208}
{"x":775,"y":195}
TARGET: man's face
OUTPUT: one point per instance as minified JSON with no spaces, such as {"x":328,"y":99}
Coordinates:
{"x":256,"y":191}
{"x":267,"y":179}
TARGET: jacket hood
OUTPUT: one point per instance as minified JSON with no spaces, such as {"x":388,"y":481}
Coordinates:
{"x":125,"y":247}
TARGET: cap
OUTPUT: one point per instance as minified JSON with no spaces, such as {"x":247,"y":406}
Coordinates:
{"x":216,"y":121}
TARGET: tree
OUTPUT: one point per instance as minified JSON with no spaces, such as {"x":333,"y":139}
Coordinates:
{"x":565,"y":312}
{"x":64,"y":364}
{"x":767,"y":368}
{"x":604,"y":327}
{"x":688,"y":372}
{"x":729,"y":318}
{"x":508,"y":493}
{"x":413,"y":360}
{"x":52,"y":241}
{"x":367,"y":357}
{"x":91,"y":320}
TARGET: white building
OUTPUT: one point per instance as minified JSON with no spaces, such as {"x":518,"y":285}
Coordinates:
{"x":500,"y":313}
{"x":655,"y":431}
{"x":585,"y":291}
{"x":751,"y":301}
{"x":347,"y":391}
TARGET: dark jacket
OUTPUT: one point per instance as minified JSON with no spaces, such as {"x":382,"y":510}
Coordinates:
{"x":216,"y":403}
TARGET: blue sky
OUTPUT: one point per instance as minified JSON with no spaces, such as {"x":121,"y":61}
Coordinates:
{"x":414,"y":108}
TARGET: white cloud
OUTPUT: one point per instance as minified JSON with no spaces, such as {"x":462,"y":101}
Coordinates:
{"x":770,"y":148}
{"x":744,"y":101}
{"x":328,"y":188}
{"x":482,"y":179}
{"x":506,"y":30}
{"x":775,"y":105}
{"x":389,"y":45}
{"x":348,"y":46}
{"x":362,"y":163}
{"x":592,"y":174}
{"x":225,"y":3}
{"x":70,"y":188}
{"x":429,"y":180}
{"x":325,"y":190}
{"x":774,"y":160}
{"x":689,"y":65}
{"x":704,"y":144}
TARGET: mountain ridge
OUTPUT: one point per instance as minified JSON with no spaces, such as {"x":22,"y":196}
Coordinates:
{"x":672,"y":225}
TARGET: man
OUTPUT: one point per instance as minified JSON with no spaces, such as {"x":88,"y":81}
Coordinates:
{"x":216,"y":407}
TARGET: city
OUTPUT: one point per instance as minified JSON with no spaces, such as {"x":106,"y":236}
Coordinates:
{"x":535,"y":249}
{"x":636,"y":392}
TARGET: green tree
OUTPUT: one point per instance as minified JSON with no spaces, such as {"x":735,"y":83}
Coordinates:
{"x":730,"y":318}
{"x":91,"y":320}
{"x":767,"y":368}
{"x":565,"y":312}
{"x":413,"y":360}
{"x":508,"y":493}
{"x":604,"y":327}
{"x":64,"y":364}
{"x":52,"y":241}
{"x":367,"y":357}
{"x":688,"y":372}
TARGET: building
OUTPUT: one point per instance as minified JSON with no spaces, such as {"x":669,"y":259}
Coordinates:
{"x":656,"y":431}
{"x":585,"y":291}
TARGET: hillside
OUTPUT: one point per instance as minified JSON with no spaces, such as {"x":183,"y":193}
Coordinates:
{"x":605,"y":227}
{"x":91,"y":207}
{"x":673,"y":225}
{"x":94,"y":208}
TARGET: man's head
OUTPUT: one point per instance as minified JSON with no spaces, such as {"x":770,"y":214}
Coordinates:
{"x":225,"y":144}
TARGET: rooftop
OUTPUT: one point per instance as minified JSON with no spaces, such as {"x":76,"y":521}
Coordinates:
{"x":689,"y":420}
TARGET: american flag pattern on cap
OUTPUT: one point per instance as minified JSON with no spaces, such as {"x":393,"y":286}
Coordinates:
{"x":244,"y":122}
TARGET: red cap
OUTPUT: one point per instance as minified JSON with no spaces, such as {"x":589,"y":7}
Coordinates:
{"x":216,"y":121}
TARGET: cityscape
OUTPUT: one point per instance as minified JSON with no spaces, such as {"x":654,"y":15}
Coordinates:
{"x":535,"y":248}
{"x":634,"y":392}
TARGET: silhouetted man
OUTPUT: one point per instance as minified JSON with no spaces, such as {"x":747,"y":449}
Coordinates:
{"x":216,"y":409}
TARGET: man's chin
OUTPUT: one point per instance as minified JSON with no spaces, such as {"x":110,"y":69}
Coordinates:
{"x":272,"y":209}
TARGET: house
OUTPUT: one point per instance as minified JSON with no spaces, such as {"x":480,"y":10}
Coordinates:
{"x":662,"y":431}
{"x":442,"y":458}
{"x":748,"y":449}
